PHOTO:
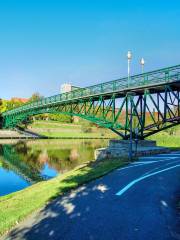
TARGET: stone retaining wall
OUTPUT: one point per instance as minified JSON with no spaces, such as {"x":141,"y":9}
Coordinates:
{"x":120,"y":148}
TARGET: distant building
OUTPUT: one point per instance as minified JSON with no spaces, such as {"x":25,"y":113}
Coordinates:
{"x":22,"y":100}
{"x":66,"y":87}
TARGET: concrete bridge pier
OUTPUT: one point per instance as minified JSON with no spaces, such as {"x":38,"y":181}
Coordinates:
{"x":120,"y":148}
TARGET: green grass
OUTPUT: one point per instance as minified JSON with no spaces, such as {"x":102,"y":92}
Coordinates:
{"x":51,"y":124}
{"x":55,"y":129}
{"x":16,"y":206}
{"x":76,"y":135}
{"x":166,"y":140}
{"x":58,"y":130}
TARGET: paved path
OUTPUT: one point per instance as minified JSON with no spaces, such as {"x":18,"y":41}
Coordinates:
{"x":134,"y":203}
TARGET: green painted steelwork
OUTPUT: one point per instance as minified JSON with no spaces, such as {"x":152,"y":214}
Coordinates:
{"x":154,"y":97}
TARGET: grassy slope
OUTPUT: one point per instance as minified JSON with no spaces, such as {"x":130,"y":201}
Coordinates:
{"x":53,"y":124}
{"x":166,"y":140}
{"x":55,"y":129}
{"x":75,"y":135}
{"x":16,"y":206}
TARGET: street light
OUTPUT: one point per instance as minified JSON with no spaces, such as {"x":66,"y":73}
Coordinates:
{"x":142,"y":62}
{"x":129,"y":57}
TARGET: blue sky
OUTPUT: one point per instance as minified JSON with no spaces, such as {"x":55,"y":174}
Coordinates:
{"x":44,"y":43}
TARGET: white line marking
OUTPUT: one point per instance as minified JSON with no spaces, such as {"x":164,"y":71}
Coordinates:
{"x":158,"y":157}
{"x":175,"y":153}
{"x":160,"y":167}
{"x":141,"y":163}
{"x":131,"y":166}
{"x":144,"y":162}
{"x":138,"y":163}
{"x":123,"y":190}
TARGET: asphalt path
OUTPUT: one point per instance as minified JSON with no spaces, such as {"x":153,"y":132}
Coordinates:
{"x":137,"y":202}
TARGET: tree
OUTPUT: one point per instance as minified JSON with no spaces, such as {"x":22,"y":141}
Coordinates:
{"x":35,"y":97}
{"x":1,"y":102}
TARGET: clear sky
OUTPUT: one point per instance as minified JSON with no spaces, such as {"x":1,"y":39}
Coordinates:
{"x":44,"y":43}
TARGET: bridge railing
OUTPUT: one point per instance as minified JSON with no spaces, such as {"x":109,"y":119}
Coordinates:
{"x":161,"y":76}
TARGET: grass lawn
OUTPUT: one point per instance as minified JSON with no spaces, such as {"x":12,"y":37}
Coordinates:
{"x":53,"y":124}
{"x":58,"y":130}
{"x":16,"y":206}
{"x":76,"y":135}
{"x":166,"y":140}
{"x":71,"y":130}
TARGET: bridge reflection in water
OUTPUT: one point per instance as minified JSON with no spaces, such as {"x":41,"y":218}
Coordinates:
{"x":39,"y":160}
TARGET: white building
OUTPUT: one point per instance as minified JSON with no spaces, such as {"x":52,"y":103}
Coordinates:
{"x":66,"y":87}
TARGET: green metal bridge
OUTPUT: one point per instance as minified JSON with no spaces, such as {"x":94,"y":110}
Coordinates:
{"x":148,"y":104}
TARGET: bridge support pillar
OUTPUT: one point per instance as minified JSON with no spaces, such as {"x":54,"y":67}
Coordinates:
{"x":120,"y":148}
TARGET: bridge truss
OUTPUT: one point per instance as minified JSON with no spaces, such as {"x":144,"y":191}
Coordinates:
{"x":150,"y":103}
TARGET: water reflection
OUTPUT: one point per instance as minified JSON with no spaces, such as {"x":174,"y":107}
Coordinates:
{"x":26,"y":162}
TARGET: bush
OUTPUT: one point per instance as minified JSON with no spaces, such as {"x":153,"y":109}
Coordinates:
{"x":86,"y":129}
{"x":54,"y":117}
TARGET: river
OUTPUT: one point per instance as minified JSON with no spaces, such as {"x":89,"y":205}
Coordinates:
{"x":23,"y":163}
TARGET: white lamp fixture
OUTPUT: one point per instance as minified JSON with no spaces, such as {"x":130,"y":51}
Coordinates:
{"x":129,"y":57}
{"x":142,"y":62}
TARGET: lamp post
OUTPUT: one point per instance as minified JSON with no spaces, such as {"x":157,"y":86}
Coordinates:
{"x":129,"y":57}
{"x":142,"y":62}
{"x":130,"y":125}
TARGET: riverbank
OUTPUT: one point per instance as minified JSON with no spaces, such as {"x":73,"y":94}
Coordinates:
{"x":58,"y":130}
{"x":17,"y":206}
{"x":11,"y":134}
